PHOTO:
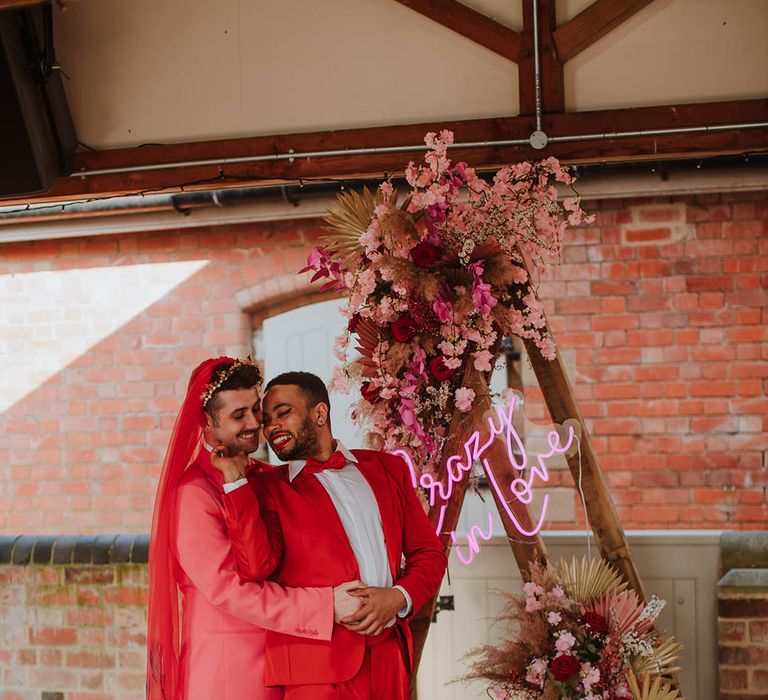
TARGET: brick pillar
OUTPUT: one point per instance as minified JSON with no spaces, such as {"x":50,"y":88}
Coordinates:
{"x":742,"y":600}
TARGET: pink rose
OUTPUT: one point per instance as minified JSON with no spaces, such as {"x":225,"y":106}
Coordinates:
{"x":483,"y":361}
{"x":565,"y":642}
{"x":408,"y":413}
{"x":453,"y":362}
{"x":533,"y":604}
{"x":464,"y":398}
{"x":533,"y":589}
{"x":482,"y":298}
{"x":443,"y":310}
{"x":554,"y":618}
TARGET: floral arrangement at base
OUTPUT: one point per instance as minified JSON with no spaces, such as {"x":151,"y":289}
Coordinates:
{"x":578,"y":633}
{"x":434,"y":282}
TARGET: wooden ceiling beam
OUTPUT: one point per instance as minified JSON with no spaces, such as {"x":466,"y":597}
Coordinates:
{"x":636,"y":148}
{"x":470,"y":24}
{"x":551,"y":67}
{"x":658,"y":117}
{"x":593,"y":23}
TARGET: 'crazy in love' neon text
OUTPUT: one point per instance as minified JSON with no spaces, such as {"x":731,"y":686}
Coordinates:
{"x":500,"y":426}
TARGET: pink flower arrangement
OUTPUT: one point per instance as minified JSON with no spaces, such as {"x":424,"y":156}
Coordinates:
{"x":434,"y":282}
{"x":582,"y":647}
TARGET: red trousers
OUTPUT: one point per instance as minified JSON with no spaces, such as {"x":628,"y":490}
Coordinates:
{"x":383,"y":675}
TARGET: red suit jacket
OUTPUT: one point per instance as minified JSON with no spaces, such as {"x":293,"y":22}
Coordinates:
{"x":224,"y":617}
{"x":317,"y":552}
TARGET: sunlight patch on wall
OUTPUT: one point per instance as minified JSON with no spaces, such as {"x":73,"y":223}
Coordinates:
{"x":48,"y":319}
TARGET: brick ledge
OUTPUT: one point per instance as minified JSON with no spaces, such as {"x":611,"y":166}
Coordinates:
{"x":21,"y":550}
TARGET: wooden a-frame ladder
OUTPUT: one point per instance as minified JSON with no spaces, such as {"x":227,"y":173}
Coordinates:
{"x":600,"y":510}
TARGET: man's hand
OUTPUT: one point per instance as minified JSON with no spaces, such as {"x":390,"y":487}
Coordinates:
{"x":378,"y":609}
{"x":232,"y":467}
{"x":344,"y":604}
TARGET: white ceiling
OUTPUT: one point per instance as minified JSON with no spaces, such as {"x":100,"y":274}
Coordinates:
{"x":161,"y":71}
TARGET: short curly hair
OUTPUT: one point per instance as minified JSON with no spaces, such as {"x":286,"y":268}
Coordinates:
{"x":245,"y":376}
{"x":312,"y":387}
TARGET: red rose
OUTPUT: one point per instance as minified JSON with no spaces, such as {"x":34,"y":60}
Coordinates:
{"x":597,"y":623}
{"x":438,"y":369}
{"x":370,"y":393}
{"x":563,"y":667}
{"x":425,"y":254}
{"x":403,"y":329}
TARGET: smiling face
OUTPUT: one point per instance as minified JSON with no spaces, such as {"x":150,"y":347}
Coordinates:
{"x":294,"y":430}
{"x":236,"y":420}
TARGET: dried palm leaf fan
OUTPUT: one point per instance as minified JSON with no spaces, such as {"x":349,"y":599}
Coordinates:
{"x":666,"y":654}
{"x":624,"y":609}
{"x":350,"y":219}
{"x":657,"y":689}
{"x":588,"y":579}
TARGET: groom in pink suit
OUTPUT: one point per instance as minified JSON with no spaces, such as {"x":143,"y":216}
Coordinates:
{"x":216,"y":650}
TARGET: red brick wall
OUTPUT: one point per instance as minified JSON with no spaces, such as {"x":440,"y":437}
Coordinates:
{"x":82,"y":451}
{"x":75,"y":630}
{"x":743,"y":645}
{"x":660,"y":305}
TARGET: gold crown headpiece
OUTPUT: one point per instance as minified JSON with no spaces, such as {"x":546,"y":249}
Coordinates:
{"x":221,"y":376}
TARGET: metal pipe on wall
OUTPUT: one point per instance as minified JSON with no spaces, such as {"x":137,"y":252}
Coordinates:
{"x":130,"y":214}
{"x":536,"y":64}
{"x":291,"y":155}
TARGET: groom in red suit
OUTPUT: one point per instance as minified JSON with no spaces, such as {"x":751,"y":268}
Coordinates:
{"x":343,"y":514}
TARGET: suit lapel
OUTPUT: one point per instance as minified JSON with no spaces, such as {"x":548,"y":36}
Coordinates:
{"x":214,"y":476}
{"x":326,"y":517}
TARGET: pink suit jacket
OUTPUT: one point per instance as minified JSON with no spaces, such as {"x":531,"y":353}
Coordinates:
{"x":317,"y":551}
{"x":224,"y":619}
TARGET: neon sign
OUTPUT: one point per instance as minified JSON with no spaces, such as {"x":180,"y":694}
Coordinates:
{"x":473,"y":545}
{"x":500,"y":427}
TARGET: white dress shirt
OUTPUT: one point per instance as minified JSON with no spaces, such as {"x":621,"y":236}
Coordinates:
{"x":358,"y":511}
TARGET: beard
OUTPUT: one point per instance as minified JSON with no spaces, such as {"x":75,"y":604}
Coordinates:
{"x":305,"y":443}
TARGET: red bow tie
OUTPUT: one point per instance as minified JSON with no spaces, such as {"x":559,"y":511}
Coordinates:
{"x":335,"y":461}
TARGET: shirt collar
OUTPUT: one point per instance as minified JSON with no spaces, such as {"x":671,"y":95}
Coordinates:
{"x":295,"y":466}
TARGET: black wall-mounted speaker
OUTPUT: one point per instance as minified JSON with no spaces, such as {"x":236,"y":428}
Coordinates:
{"x":37,"y":137}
